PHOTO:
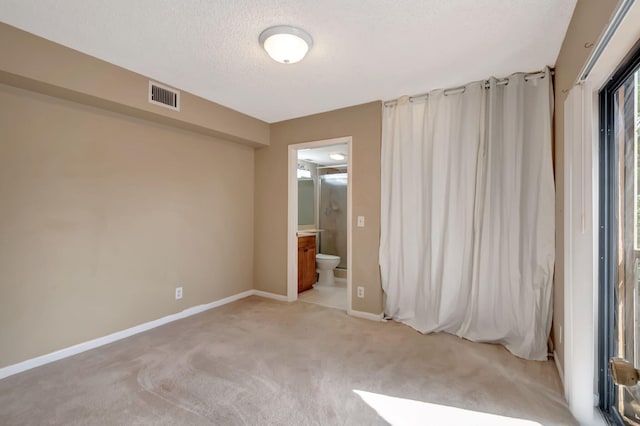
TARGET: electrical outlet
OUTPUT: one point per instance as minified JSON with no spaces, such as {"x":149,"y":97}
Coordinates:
{"x":361,"y":292}
{"x":360,"y":221}
{"x":178,"y":293}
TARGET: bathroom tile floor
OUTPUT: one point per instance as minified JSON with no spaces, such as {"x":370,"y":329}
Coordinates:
{"x":329,"y":296}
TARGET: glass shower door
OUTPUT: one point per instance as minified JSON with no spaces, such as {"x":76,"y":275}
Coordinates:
{"x":333,"y":215}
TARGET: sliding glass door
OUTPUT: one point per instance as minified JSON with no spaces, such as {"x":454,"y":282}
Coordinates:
{"x":620,"y":239}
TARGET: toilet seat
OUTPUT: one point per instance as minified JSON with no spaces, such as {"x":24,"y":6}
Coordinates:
{"x":327,"y":257}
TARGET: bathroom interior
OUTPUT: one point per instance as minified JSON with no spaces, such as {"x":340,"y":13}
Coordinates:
{"x":322,"y":225}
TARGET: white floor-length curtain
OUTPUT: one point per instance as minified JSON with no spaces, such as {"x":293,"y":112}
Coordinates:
{"x":429,"y":154}
{"x":467,"y":219}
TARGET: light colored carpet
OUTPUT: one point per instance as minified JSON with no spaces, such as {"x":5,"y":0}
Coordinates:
{"x":260,"y":362}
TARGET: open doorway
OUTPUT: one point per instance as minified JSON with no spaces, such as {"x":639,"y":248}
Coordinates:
{"x":319,"y":223}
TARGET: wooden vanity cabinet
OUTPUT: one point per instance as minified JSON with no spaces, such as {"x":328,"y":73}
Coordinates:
{"x":306,"y":262}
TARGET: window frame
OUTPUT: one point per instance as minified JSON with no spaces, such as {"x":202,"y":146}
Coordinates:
{"x":606,"y":237}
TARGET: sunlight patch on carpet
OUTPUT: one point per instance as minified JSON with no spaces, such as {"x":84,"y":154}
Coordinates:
{"x":401,"y":411}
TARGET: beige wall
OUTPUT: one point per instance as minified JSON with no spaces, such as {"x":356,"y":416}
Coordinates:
{"x":103,"y":215}
{"x":589,"y":20}
{"x":363,"y":123}
{"x":36,"y":64}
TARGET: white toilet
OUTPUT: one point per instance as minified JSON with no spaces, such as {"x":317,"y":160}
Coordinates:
{"x":325,"y":264}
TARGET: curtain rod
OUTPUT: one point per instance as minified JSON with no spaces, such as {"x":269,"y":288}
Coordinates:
{"x":460,"y":89}
{"x":618,"y":16}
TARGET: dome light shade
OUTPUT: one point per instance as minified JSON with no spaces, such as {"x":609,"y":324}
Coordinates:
{"x":286,"y":44}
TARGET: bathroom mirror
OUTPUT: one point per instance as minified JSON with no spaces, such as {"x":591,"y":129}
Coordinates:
{"x":306,"y":202}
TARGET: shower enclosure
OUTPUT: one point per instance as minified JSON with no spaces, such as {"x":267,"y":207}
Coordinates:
{"x":332,"y":215}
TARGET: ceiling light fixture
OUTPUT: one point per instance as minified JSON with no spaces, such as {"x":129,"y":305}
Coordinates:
{"x":286,"y":44}
{"x":336,"y":156}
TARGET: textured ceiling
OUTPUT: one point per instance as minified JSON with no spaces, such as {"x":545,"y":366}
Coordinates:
{"x":363,"y":50}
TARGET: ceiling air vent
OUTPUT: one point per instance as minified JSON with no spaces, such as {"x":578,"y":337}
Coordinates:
{"x":164,"y":96}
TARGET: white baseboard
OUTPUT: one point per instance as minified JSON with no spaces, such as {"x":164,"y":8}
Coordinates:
{"x":101,"y":341}
{"x":119,"y":335}
{"x":270,"y":295}
{"x":559,"y":368}
{"x":366,"y":315}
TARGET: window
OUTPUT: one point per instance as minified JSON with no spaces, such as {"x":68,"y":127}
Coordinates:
{"x":620,"y":237}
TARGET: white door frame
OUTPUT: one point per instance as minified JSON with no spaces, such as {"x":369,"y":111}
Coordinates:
{"x":292,"y":228}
